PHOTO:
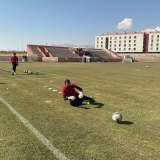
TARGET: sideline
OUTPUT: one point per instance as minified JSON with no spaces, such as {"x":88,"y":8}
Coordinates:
{"x":44,"y":140}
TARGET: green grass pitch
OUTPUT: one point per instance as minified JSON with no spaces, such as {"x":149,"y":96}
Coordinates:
{"x":87,"y":132}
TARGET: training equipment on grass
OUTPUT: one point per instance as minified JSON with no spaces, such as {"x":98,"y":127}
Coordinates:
{"x":80,"y":95}
{"x":25,"y":71}
{"x":30,"y":72}
{"x":117,"y":116}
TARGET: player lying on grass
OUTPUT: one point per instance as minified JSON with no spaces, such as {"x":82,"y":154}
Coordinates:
{"x":75,"y":98}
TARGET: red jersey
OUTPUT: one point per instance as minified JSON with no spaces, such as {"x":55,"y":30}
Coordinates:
{"x":69,"y":91}
{"x":14,"y":59}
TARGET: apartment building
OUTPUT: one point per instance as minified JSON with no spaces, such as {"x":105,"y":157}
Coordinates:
{"x":131,"y":42}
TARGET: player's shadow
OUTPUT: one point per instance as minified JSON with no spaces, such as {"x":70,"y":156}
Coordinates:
{"x":3,"y":83}
{"x":125,"y":122}
{"x":82,"y":106}
{"x":92,"y":103}
{"x":97,"y":104}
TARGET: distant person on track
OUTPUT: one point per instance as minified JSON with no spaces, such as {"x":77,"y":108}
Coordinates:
{"x":75,"y":99}
{"x":14,"y":61}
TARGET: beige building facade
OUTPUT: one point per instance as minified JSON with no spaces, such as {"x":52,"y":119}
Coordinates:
{"x":133,"y":42}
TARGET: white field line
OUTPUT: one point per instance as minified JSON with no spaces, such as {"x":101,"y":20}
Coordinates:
{"x":44,"y":140}
{"x":32,"y":78}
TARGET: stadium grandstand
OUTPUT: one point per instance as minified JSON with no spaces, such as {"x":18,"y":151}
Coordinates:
{"x":117,"y":47}
{"x":69,"y":54}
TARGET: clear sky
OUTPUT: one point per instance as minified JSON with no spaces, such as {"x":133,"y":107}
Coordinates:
{"x":77,"y":22}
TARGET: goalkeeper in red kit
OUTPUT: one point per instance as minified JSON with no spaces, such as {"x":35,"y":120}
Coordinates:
{"x":75,"y":98}
{"x":14,"y":61}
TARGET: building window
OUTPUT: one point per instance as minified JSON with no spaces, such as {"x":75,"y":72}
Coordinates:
{"x":135,"y":37}
{"x":129,"y":37}
{"x":119,"y":37}
{"x":134,"y":44}
{"x":101,"y":42}
{"x":157,"y":40}
{"x":119,"y":49}
{"x":115,"y":49}
{"x":129,"y":45}
{"x":101,"y":46}
{"x":97,"y":41}
{"x":110,"y":41}
{"x":115,"y":45}
{"x":115,"y":38}
{"x":124,"y":41}
{"x":110,"y":45}
{"x":152,"y":40}
{"x":157,"y":49}
{"x":134,"y":49}
{"x":115,"y":41}
{"x":119,"y":41}
{"x":129,"y":49}
{"x":134,"y":41}
{"x":101,"y":38}
{"x":125,"y":37}
{"x":129,"y":41}
{"x":157,"y":36}
{"x":124,"y":45}
{"x":97,"y":46}
{"x":124,"y":49}
{"x":110,"y":38}
{"x":119,"y":45}
{"x":152,"y":36}
{"x":157,"y":44}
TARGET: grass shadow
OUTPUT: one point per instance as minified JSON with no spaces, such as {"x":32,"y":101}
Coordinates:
{"x":26,"y":74}
{"x":97,"y":104}
{"x":93,"y":103}
{"x":82,"y":107}
{"x":125,"y":122}
{"x":3,"y":83}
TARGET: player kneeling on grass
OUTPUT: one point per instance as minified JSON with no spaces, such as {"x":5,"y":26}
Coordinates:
{"x":75,"y":98}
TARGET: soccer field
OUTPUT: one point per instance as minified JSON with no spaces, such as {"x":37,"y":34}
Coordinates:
{"x":37,"y":124}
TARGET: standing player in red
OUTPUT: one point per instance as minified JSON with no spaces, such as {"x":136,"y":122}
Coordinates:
{"x":75,"y":98}
{"x":14,"y":61}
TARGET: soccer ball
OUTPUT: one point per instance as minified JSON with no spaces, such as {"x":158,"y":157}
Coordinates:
{"x":30,"y":72}
{"x":25,"y":71}
{"x":117,"y":116}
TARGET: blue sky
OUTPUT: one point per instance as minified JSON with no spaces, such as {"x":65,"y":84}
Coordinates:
{"x":77,"y":22}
